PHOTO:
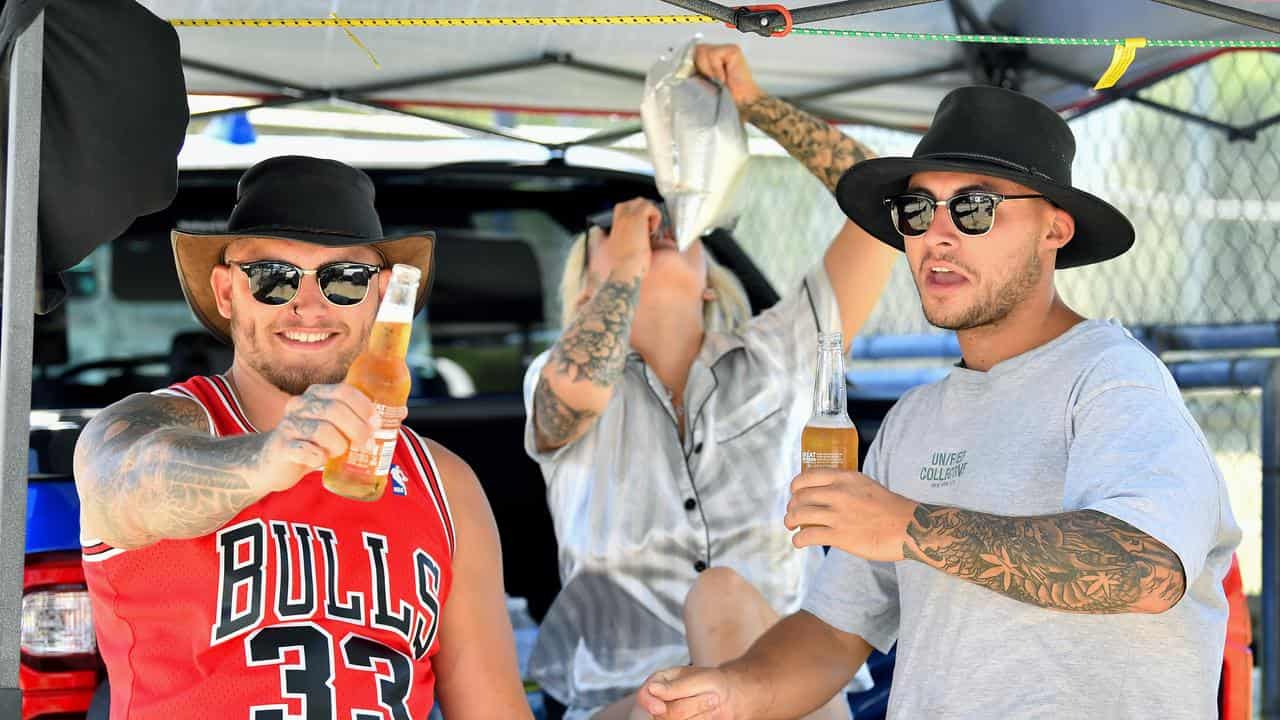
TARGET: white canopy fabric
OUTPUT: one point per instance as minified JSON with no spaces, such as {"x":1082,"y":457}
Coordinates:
{"x":327,"y":59}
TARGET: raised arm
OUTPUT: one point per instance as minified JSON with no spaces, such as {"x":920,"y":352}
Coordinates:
{"x":792,"y":670}
{"x":147,"y":468}
{"x":587,"y":361}
{"x":857,"y":263}
{"x":476,"y":671}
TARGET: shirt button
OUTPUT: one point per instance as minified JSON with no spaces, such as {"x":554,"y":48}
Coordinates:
{"x":697,"y":448}
{"x":690,"y":504}
{"x":699,"y":566}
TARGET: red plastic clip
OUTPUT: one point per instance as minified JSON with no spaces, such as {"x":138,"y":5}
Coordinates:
{"x":756,"y":19}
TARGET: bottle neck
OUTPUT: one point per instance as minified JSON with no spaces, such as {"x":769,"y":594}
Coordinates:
{"x":391,"y":330}
{"x":829,"y":395}
{"x":390,"y":339}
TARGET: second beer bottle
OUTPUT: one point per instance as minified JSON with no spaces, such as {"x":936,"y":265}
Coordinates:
{"x":381,"y":373}
{"x":829,"y":439}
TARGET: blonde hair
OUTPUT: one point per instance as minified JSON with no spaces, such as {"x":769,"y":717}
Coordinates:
{"x":728,"y":312}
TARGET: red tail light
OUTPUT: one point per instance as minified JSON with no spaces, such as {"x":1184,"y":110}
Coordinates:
{"x":60,"y":664}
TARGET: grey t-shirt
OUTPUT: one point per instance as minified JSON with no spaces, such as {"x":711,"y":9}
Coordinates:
{"x":1091,"y":420}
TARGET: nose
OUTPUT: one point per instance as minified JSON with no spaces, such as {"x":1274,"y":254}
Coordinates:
{"x":942,"y":231}
{"x":309,"y":303}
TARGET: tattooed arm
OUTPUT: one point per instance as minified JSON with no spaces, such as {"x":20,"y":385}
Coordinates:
{"x":818,"y":145}
{"x":147,"y":469}
{"x":586,"y":362}
{"x":856,"y":262}
{"x":1082,"y":561}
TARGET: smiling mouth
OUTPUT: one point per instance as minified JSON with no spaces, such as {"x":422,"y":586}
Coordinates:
{"x":299,"y":336}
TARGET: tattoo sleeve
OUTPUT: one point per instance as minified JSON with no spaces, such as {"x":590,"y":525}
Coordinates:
{"x":592,"y":350}
{"x":820,"y":146}
{"x":1083,"y":561}
{"x":555,"y":420}
{"x":147,"y":470}
{"x":594,"y":347}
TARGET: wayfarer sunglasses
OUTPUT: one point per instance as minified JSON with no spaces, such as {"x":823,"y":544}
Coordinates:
{"x":972,"y":212}
{"x":275,"y":282}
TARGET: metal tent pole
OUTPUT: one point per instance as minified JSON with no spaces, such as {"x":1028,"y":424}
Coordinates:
{"x":836,"y":10}
{"x":22,"y":189}
{"x":1226,"y":12}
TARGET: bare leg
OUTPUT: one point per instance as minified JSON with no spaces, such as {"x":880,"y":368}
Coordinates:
{"x":723,"y":615}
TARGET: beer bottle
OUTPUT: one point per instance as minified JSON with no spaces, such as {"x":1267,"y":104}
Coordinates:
{"x":381,"y":373}
{"x":829,"y":439}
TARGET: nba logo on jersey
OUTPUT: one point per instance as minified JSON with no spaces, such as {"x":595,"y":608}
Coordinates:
{"x":399,"y":484}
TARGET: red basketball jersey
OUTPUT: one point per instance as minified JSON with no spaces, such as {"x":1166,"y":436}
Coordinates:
{"x":306,"y":605}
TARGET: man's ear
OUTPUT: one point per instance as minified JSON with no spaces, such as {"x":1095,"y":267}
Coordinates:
{"x":1062,"y":228}
{"x":384,"y":279}
{"x":221,"y":279}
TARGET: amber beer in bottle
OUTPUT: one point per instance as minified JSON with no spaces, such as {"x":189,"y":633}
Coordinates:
{"x":829,"y":439}
{"x":381,"y":373}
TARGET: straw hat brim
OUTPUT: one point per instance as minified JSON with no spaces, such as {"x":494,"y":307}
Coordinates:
{"x":196,"y":254}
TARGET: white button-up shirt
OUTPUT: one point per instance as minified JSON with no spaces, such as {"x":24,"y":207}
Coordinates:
{"x":640,"y":511}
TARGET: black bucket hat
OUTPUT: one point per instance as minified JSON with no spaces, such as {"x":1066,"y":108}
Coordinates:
{"x":1000,"y":133}
{"x":323,"y":202}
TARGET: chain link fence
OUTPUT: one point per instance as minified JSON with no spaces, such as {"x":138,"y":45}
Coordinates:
{"x":1207,"y":213}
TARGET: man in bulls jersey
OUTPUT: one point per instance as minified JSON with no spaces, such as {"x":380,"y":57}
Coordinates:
{"x":226,"y":581}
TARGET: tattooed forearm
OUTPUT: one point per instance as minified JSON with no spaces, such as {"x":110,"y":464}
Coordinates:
{"x":1084,"y":561}
{"x":146,"y":470}
{"x":594,"y":347}
{"x":823,"y":149}
{"x":555,"y":420}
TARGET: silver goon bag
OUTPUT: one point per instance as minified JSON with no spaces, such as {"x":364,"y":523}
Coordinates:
{"x":696,"y":141}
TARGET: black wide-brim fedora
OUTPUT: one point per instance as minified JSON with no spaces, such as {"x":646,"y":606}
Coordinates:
{"x":322,"y":202}
{"x":999,"y":133}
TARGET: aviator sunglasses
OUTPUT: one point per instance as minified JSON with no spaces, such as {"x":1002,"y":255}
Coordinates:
{"x":275,"y":282}
{"x":973,"y":212}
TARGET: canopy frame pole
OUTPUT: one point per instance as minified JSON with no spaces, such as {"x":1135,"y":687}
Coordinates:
{"x":21,"y":221}
{"x":461,"y":124}
{"x":296,"y":94}
{"x":1131,"y":94}
{"x":1250,"y":132}
{"x":868,"y":83}
{"x":1269,"y":643}
{"x":723,"y":13}
{"x":1227,"y":13}
{"x":836,"y":10}
{"x":276,"y":102}
{"x":773,"y":19}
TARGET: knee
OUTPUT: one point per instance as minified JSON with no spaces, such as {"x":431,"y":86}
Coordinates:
{"x":716,"y":591}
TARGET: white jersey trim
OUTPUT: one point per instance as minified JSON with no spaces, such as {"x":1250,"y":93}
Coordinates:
{"x":445,"y":513}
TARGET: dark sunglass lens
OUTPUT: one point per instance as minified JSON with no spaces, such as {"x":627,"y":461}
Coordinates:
{"x":973,"y":213}
{"x":345,"y":284}
{"x":272,"y":283}
{"x":912,"y":214}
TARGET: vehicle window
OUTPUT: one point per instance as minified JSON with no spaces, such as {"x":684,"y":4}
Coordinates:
{"x":491,"y":309}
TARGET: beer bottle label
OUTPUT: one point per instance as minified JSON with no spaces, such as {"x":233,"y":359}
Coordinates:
{"x":811,"y":459}
{"x":374,"y":456}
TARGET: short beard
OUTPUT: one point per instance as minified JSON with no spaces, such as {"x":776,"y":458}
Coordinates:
{"x":1001,"y":301}
{"x":293,"y":380}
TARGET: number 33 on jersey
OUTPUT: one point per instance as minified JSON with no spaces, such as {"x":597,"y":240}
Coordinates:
{"x":306,"y":606}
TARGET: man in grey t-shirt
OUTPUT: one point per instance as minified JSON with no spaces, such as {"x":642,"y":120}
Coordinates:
{"x":1045,"y":532}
